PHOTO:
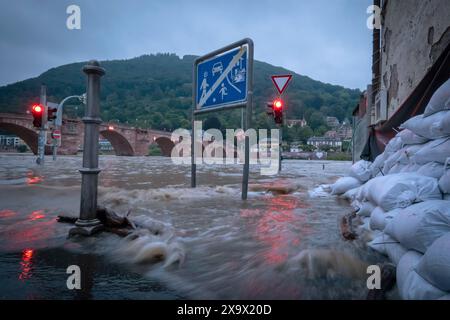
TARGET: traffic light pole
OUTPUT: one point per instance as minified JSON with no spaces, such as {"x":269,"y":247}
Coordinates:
{"x":42,"y":139}
{"x":280,"y":148}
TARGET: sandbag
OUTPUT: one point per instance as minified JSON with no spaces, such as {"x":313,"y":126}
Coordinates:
{"x":392,"y":161}
{"x":377,"y":165}
{"x":431,"y":169}
{"x":380,"y":218}
{"x":440,"y":100}
{"x":351,"y":194}
{"x":407,"y":153}
{"x":431,"y":127}
{"x":419,"y":225}
{"x":397,"y":168}
{"x":444,"y":181}
{"x":408,"y":137}
{"x":388,"y":246}
{"x":411,"y":286}
{"x":433,"y":151}
{"x":361,"y":170}
{"x":366,"y":208}
{"x":435,"y":264}
{"x":400,"y":190}
{"x":411,"y":168}
{"x":342,"y":185}
{"x":394,"y":145}
{"x":377,"y":219}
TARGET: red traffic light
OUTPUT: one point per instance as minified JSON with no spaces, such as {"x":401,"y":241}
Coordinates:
{"x":278,"y":104}
{"x":36,"y":108}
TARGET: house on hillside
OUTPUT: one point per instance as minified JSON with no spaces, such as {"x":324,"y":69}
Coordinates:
{"x":332,"y":122}
{"x":296,"y":122}
{"x":320,"y":142}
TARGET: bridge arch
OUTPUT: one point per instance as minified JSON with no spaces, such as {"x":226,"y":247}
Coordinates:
{"x":165,"y":144}
{"x":29,"y":136}
{"x":120,"y":144}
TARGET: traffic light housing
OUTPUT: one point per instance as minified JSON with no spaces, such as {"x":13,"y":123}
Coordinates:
{"x":277,"y":107}
{"x":37,"y":110}
{"x":51,"y":113}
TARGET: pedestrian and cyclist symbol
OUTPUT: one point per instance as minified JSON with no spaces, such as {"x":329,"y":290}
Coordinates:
{"x":222,"y":80}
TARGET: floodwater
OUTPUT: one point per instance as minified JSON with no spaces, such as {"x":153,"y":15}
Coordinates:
{"x":202,"y":243}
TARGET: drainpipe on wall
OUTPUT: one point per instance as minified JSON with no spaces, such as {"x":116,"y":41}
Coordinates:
{"x":376,"y":60}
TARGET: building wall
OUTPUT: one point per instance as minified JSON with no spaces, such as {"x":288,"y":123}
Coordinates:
{"x":414,"y":33}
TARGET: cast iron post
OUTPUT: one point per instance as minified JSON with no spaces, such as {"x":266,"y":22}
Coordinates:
{"x":88,"y":223}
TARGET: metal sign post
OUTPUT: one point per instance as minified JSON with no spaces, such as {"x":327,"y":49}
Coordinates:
{"x":222,"y":80}
{"x":281,"y":82}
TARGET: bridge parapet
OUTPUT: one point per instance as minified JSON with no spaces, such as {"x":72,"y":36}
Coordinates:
{"x":126,"y":140}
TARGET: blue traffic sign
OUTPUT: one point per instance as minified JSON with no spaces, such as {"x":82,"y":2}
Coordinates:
{"x":222,"y":80}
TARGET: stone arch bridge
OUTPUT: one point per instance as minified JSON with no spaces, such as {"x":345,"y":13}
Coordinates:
{"x":126,"y":141}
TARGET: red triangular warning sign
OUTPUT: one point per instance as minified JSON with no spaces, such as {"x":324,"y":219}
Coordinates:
{"x":281,"y":82}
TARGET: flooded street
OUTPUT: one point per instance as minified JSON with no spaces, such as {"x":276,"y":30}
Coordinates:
{"x":282,"y":245}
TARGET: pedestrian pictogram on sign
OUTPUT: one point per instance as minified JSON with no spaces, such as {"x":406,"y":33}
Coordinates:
{"x":222,"y":80}
{"x":281,"y":82}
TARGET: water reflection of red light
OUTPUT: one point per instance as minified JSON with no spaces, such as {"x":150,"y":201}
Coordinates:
{"x":7,"y":213}
{"x":36,"y":215}
{"x":32,"y":179}
{"x":277,"y":225}
{"x":26,"y":264}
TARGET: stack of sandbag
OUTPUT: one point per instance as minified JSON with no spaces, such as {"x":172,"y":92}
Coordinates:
{"x":342,"y":185}
{"x":417,"y":240}
{"x":405,"y":202}
{"x":360,"y":172}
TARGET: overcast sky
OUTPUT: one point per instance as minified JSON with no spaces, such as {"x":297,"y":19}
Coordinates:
{"x":326,"y":40}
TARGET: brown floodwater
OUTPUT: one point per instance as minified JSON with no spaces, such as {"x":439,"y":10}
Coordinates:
{"x":202,"y":243}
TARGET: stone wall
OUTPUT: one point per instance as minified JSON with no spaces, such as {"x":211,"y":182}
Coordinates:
{"x":414,"y":34}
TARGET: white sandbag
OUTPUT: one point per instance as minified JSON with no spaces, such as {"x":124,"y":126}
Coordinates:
{"x":388,"y":246}
{"x":351,"y":194}
{"x":392,"y":161}
{"x":431,"y":127}
{"x":342,"y":185}
{"x":411,"y":286}
{"x":440,"y":100}
{"x":365,"y":225}
{"x":397,"y":168}
{"x":411,"y":168}
{"x":433,"y":151}
{"x":444,"y":181}
{"x":378,"y":164}
{"x":379,"y":243}
{"x":435,"y":264}
{"x":380,"y":218}
{"x":395,"y":251}
{"x":419,"y":225}
{"x":361,"y":170}
{"x":377,"y":219}
{"x":408,"y":137}
{"x":432,"y":169}
{"x":365,"y":209}
{"x":400,"y":190}
{"x":408,"y":152}
{"x":394,"y":145}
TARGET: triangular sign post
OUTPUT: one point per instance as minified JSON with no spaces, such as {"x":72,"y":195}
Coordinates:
{"x":281,"y":82}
